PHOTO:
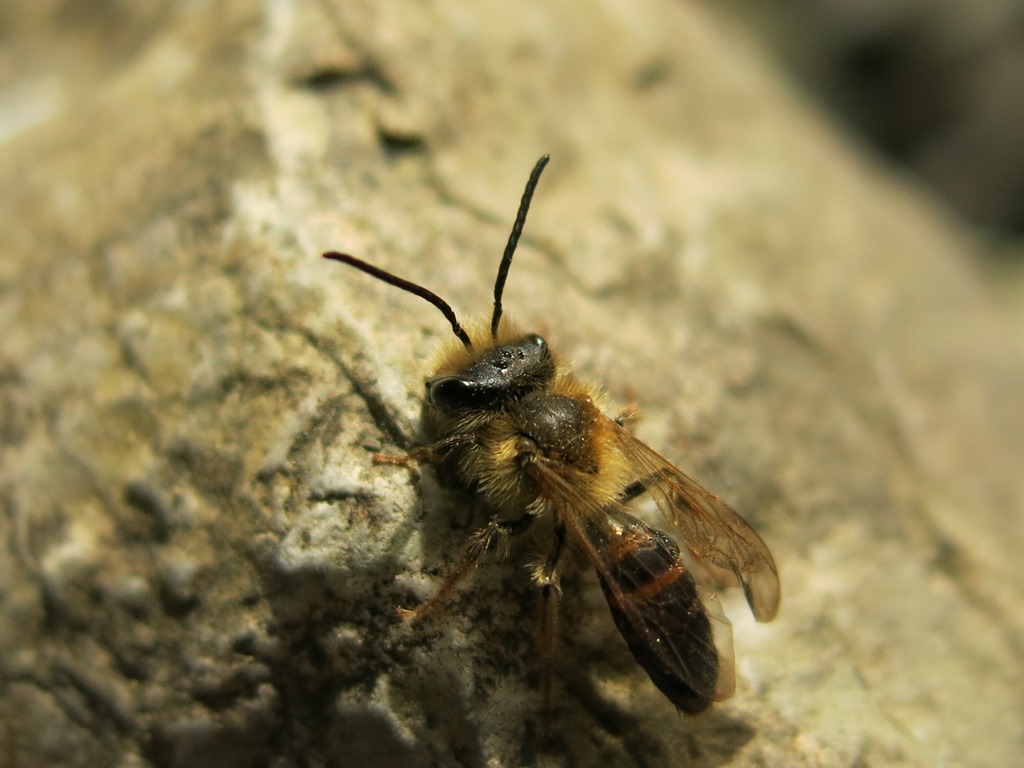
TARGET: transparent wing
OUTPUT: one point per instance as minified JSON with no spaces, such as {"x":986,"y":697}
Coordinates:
{"x":725,"y":549}
{"x":676,"y":632}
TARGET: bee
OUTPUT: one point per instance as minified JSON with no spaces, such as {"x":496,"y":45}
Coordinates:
{"x":508,"y":421}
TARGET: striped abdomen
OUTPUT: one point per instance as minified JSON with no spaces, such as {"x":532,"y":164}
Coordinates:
{"x":657,"y":608}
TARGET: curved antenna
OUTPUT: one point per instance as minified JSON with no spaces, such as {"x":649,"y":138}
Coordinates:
{"x":405,"y":285}
{"x":513,"y":241}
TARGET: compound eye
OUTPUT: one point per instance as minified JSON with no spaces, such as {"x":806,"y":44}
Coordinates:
{"x":537,"y":341}
{"x":449,"y":391}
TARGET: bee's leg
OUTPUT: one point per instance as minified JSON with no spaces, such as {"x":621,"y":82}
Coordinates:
{"x":627,"y":414}
{"x":494,"y":534}
{"x":547,"y":577}
{"x":433,"y":453}
{"x":639,"y":487}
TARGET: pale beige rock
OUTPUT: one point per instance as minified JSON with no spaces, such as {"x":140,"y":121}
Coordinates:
{"x":201,"y":561}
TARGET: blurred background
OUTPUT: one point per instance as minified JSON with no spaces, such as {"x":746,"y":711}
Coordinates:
{"x":935,"y":85}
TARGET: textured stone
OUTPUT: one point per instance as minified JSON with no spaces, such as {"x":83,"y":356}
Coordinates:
{"x":201,"y":560}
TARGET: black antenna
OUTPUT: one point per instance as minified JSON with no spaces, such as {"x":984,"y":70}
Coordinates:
{"x":513,"y":241}
{"x":405,"y":285}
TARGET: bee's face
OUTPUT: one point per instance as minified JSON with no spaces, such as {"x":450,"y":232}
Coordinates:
{"x":495,"y":377}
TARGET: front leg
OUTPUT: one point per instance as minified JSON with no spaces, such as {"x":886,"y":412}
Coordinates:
{"x":434,"y":453}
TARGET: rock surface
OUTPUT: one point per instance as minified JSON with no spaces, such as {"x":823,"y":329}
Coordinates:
{"x":201,"y":560}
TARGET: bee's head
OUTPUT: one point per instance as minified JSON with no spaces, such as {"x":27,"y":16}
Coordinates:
{"x":497,"y":375}
{"x":496,"y":354}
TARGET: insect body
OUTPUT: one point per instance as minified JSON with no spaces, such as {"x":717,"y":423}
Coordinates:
{"x":507,"y":420}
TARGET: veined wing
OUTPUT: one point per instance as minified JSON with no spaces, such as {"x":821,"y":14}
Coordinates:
{"x":725,"y":549}
{"x":678,"y":634}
